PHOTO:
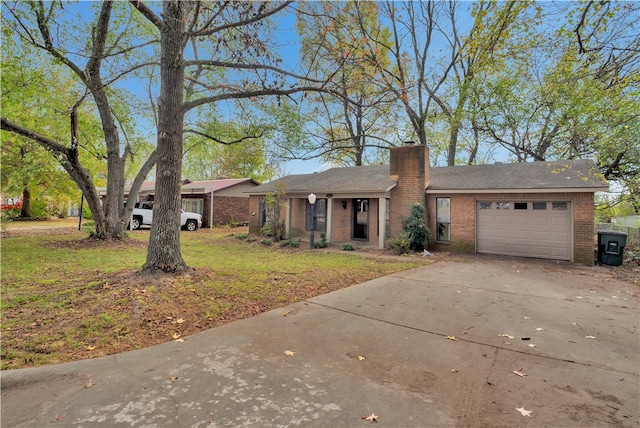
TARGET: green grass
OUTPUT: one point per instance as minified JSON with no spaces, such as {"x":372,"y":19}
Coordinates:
{"x":65,"y":298}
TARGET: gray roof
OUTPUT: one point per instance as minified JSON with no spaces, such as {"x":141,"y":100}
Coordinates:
{"x":358,"y":179}
{"x":569,"y":175}
{"x":579,"y":174}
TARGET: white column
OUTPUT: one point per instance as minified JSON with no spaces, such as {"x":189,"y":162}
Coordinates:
{"x":329,"y":216}
{"x":382,"y":221}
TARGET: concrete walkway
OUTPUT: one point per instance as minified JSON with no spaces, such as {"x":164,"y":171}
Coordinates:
{"x":434,"y":346}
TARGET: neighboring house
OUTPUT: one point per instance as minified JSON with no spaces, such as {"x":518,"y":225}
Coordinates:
{"x":219,"y":201}
{"x":537,"y":209}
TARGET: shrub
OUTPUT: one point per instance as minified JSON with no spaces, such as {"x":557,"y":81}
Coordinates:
{"x":266,"y":242}
{"x":242,"y":236}
{"x":292,"y":243}
{"x":322,"y":243}
{"x":348,"y":247}
{"x":415,"y":229}
{"x":400,"y":243}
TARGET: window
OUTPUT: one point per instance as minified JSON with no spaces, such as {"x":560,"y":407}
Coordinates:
{"x":502,"y":205}
{"x":484,"y":205}
{"x":560,"y":206}
{"x":443,"y":219}
{"x":520,"y":206}
{"x":193,"y":205}
{"x":319,"y":214}
{"x":539,"y":205}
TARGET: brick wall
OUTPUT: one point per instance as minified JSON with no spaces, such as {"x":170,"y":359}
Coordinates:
{"x":463,"y":233}
{"x":228,"y":208}
{"x":409,"y":165}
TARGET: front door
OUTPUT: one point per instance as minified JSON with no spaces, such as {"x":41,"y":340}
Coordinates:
{"x":361,"y":219}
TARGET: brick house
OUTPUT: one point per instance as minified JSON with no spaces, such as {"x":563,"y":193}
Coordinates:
{"x":219,"y":201}
{"x":536,"y":209}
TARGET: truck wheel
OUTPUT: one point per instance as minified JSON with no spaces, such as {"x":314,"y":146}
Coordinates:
{"x":135,"y":223}
{"x":191,"y":225}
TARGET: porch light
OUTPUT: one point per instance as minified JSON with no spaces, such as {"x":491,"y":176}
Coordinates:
{"x":312,"y":201}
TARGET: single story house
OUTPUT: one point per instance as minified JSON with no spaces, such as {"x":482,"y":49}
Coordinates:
{"x":221,"y":201}
{"x":536,"y":209}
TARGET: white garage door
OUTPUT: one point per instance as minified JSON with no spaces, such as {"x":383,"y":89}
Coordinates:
{"x":528,"y":229}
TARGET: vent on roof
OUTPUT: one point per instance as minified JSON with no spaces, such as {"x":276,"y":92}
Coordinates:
{"x":409,"y":143}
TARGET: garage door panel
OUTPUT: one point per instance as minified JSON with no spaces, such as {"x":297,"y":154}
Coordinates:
{"x":529,"y":233}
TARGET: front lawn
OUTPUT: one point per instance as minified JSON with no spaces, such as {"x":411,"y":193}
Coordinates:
{"x":67,"y":298}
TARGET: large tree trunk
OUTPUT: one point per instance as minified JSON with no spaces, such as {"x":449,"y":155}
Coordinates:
{"x":163,"y":252}
{"x":25,"y":210}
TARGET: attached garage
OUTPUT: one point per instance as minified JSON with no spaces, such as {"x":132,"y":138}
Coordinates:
{"x":535,"y":209}
{"x":525,"y":228}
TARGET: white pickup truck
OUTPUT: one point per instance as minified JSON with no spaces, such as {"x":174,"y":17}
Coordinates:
{"x":143,"y":215}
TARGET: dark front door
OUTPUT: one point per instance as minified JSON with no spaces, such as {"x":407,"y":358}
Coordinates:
{"x":361,"y":219}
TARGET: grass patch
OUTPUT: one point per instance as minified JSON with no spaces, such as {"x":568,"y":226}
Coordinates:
{"x":67,"y":298}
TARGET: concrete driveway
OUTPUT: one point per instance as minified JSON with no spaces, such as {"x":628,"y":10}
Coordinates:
{"x":434,"y":346}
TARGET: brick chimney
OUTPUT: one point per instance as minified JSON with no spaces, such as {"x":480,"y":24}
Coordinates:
{"x":409,"y":166}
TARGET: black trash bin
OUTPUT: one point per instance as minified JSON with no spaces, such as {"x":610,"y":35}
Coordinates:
{"x":611,"y":247}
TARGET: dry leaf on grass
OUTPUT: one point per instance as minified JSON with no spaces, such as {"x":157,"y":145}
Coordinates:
{"x":176,"y":335}
{"x":180,"y":320}
{"x":371,"y":418}
{"x":524,"y":412}
{"x":290,"y":353}
{"x":90,"y":348}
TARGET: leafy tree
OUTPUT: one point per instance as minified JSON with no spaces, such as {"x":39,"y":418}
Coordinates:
{"x":351,"y":125}
{"x":42,"y":26}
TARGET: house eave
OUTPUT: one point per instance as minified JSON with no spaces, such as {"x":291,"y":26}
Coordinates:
{"x":521,"y":190}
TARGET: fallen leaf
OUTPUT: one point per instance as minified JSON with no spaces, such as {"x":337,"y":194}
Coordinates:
{"x":57,"y":417}
{"x":179,"y":320}
{"x":452,"y":338}
{"x":590,"y":337}
{"x":519,"y":373}
{"x":290,"y":353}
{"x":180,"y":340}
{"x":361,"y":357}
{"x":285,"y":313}
{"x":176,"y":335}
{"x":526,"y":318}
{"x":90,"y":348}
{"x":89,"y":383}
{"x":539,"y":329}
{"x":531,"y":345}
{"x":371,"y":418}
{"x":505,"y":335}
{"x":454,"y":370}
{"x":174,"y":378}
{"x":524,"y":412}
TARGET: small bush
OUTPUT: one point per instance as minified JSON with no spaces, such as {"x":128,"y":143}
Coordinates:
{"x":292,"y":243}
{"x":322,"y":243}
{"x":242,"y":236}
{"x":266,"y":242}
{"x":401,"y":243}
{"x":348,"y":247}
{"x":251,"y":239}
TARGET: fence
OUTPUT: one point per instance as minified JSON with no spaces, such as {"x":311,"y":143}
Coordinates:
{"x":633,"y":233}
